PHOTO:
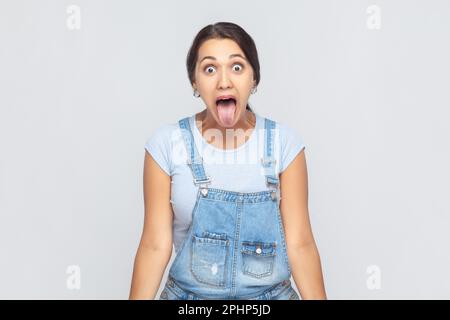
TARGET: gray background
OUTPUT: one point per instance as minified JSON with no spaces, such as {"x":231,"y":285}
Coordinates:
{"x":76,"y":107}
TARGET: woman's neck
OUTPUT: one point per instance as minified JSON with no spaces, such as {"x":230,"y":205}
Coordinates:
{"x":231,"y":137}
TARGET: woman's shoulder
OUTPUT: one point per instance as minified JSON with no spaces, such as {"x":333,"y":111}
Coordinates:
{"x":160,"y":145}
{"x":164,"y":132}
{"x":288,"y":131}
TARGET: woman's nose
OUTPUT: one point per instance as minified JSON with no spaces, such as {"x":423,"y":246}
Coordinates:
{"x":224,"y":81}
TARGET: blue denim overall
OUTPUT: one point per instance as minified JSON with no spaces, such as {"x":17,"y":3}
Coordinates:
{"x":235,"y":246}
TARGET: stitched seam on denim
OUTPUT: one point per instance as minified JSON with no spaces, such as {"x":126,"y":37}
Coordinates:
{"x":237,"y":193}
{"x":198,"y":170}
{"x":282,"y":291}
{"x":294,"y":294}
{"x":245,"y":201}
{"x":264,"y":292}
{"x":174,"y":293}
{"x":236,"y":246}
{"x":185,"y":291}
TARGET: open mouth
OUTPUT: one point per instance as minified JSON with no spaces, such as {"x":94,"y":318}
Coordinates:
{"x":225,"y":101}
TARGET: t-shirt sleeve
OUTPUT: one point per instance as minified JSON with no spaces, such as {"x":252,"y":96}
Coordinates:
{"x":291,"y":144}
{"x":159,"y":147}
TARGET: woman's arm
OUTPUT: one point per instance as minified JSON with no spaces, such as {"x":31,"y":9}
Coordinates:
{"x":302,"y":251}
{"x":155,"y":247}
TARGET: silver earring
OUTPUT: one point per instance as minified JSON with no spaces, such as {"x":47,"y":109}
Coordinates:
{"x":254,"y":89}
{"x":196,"y":93}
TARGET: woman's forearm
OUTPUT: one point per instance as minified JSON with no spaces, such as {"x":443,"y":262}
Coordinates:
{"x":149,"y":267}
{"x":307,"y":271}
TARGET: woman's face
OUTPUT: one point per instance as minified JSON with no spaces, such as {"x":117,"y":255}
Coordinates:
{"x":222,"y":70}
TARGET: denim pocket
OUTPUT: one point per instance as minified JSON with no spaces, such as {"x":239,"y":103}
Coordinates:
{"x":258,"y":258}
{"x":208,"y":258}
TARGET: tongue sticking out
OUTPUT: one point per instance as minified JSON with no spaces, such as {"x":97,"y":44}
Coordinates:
{"x":226,"y":109}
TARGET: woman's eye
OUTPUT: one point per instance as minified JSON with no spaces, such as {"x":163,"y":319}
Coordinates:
{"x":211,"y":69}
{"x":208,"y":68}
{"x":237,"y":69}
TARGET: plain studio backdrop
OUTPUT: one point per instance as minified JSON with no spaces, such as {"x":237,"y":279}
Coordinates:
{"x":83,"y":85}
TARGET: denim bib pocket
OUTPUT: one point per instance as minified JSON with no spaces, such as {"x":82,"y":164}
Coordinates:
{"x":208,"y":258}
{"x":258,"y":258}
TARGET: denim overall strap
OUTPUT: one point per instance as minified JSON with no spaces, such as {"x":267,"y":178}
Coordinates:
{"x":269,"y":161}
{"x":194,"y":160}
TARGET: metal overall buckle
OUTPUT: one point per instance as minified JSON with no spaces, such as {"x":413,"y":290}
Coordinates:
{"x":203,"y":185}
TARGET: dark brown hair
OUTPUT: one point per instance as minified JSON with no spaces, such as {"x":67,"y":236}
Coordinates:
{"x":224,"y":30}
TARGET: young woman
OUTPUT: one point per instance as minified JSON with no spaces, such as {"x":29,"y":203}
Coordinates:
{"x":212,"y":187}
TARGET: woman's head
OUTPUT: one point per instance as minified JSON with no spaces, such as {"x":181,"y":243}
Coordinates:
{"x":223,"y":61}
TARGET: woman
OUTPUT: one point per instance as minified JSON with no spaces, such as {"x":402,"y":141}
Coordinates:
{"x":234,"y":238}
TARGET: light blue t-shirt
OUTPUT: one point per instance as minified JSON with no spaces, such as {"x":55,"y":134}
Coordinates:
{"x":236,"y":169}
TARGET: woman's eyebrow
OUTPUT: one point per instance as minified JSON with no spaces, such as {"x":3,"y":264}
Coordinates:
{"x":231,"y":56}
